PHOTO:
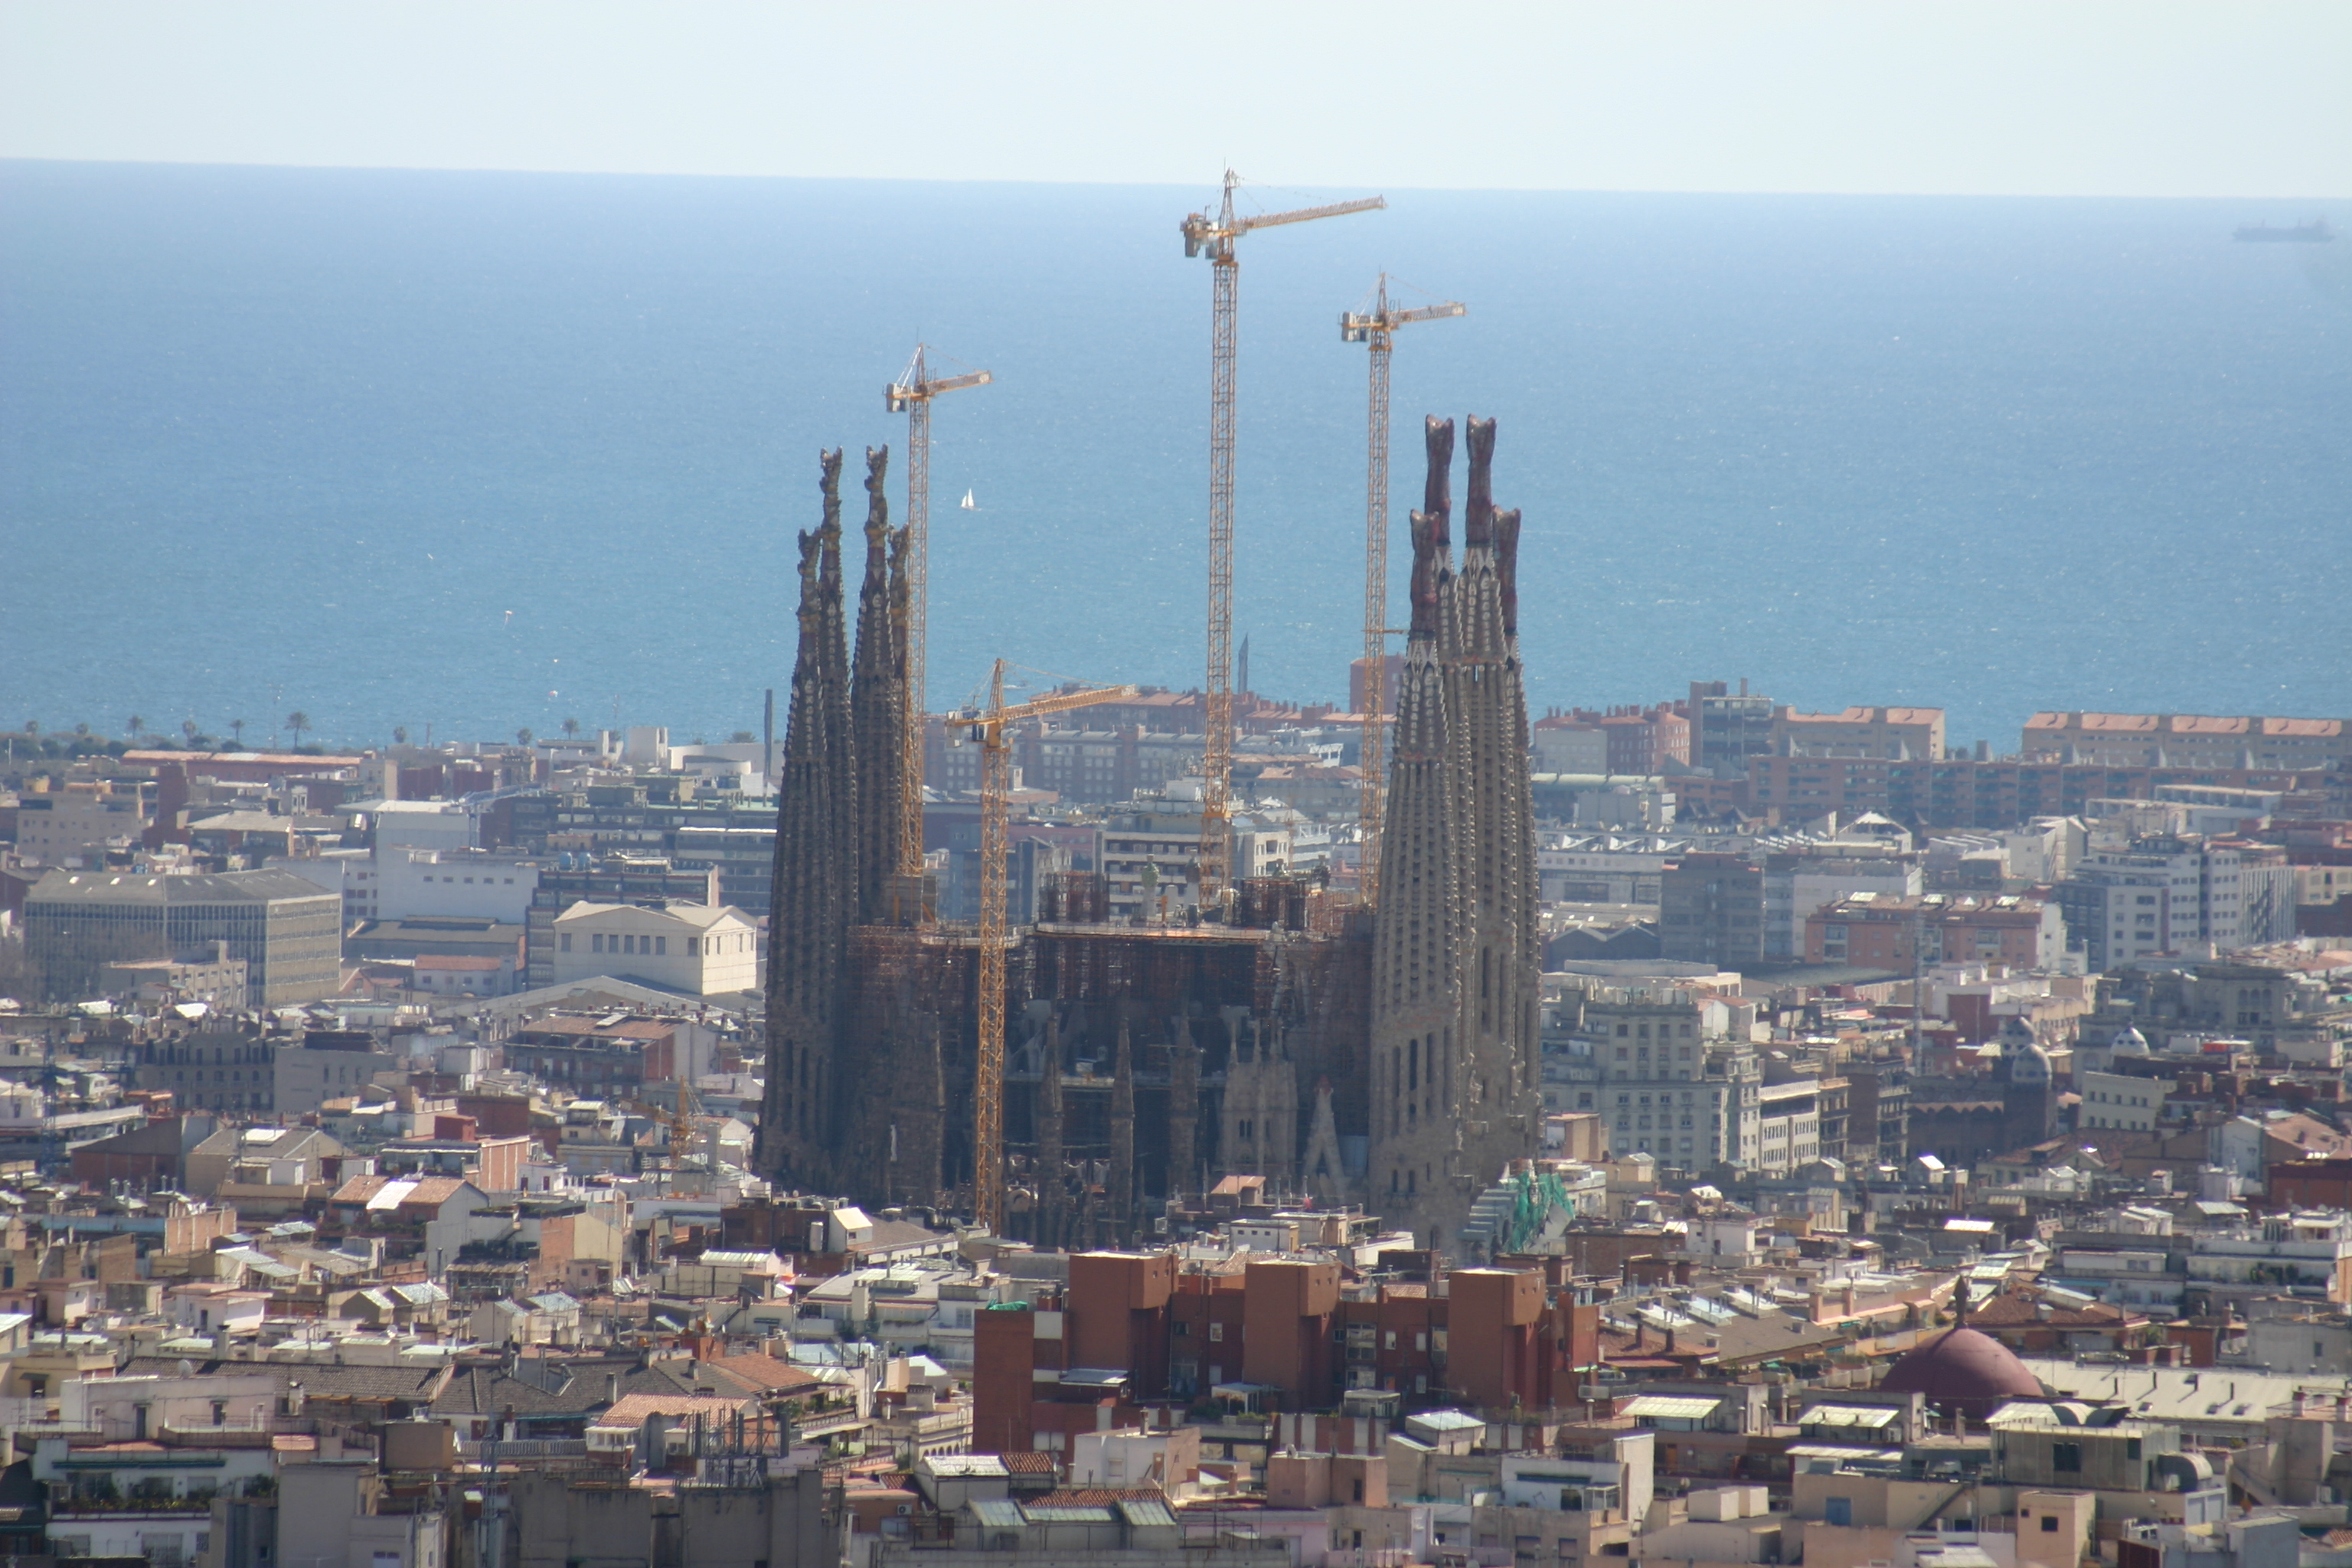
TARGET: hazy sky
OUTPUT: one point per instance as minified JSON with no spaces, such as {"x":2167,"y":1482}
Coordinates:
{"x":2144,"y":97}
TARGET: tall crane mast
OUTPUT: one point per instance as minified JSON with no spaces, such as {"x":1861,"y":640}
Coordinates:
{"x":1213,"y":233}
{"x":986,"y":727}
{"x":911,"y":394}
{"x":1376,"y":328}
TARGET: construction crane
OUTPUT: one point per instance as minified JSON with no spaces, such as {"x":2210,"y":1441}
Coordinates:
{"x":1212,"y":234}
{"x":986,"y":727}
{"x":1376,"y":328}
{"x":911,"y":394}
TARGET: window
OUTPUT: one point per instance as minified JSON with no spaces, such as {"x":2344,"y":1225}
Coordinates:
{"x":563,"y":942}
{"x":661,"y":947}
{"x":2050,"y":1524}
{"x":1216,"y":1333}
{"x":1838,"y":1511}
{"x":2067,"y":1456}
{"x":693,"y":947}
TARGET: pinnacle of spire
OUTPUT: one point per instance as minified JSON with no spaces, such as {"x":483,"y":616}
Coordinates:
{"x":1478,"y":516}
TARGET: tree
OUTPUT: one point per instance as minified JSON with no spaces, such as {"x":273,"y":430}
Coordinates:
{"x":400,"y":734}
{"x":188,"y":728}
{"x":32,"y":726}
{"x":137,"y":727}
{"x":743,"y":738}
{"x":298,"y":722}
{"x":236,"y":728}
{"x":522,"y":736}
{"x":81,"y":728}
{"x":570,"y":727}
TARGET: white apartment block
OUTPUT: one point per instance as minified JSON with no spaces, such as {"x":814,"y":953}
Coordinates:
{"x":422,"y":824}
{"x":2173,"y":895}
{"x":404,"y":883}
{"x":2117,"y":1100}
{"x":1788,"y":1125}
{"x":1665,"y":1086}
{"x":698,"y":950}
{"x":398,"y":884}
{"x":1603,"y":868}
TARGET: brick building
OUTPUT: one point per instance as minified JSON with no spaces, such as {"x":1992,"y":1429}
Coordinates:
{"x":1896,"y":934}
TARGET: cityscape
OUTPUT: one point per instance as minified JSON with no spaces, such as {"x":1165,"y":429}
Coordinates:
{"x":1058,"y":1126}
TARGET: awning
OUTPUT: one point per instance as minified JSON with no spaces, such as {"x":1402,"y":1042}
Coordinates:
{"x":1670,"y":1407}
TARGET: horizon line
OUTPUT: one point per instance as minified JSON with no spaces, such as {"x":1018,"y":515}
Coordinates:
{"x":7,"y":159}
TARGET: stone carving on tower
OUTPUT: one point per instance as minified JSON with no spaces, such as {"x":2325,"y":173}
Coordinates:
{"x":1455,"y":958}
{"x":815,"y":879}
{"x":878,"y":705}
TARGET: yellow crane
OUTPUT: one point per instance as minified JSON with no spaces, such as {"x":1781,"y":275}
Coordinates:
{"x":1376,"y":328}
{"x":986,"y":728}
{"x":911,"y":394}
{"x":1213,"y":233}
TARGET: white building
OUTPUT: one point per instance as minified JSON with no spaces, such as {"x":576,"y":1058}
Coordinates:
{"x":2113,"y":1099}
{"x":1646,"y":1061}
{"x":2175,"y":894}
{"x":699,"y":950}
{"x":1604,"y":867}
{"x":420,"y":825}
{"x":407,"y":883}
{"x":1789,"y":1125}
{"x":1563,"y":745}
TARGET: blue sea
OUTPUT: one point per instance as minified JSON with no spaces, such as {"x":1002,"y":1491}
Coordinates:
{"x":486,"y":451}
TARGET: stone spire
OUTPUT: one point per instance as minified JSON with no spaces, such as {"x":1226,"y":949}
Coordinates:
{"x":878,"y":704}
{"x":1413,"y":965}
{"x":1455,"y":959}
{"x":808,"y":917}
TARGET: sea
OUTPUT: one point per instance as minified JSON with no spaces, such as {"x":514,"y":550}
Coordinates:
{"x":467,"y":453}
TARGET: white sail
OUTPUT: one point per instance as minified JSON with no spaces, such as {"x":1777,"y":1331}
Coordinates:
{"x":969,"y":505}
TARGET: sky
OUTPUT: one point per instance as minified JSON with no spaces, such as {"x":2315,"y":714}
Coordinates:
{"x":2149,"y":98}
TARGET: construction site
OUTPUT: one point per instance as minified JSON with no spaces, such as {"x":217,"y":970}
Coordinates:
{"x":1084,"y":1081}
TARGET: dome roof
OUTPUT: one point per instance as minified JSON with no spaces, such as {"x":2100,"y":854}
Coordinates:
{"x":2129,"y":1042}
{"x":1964,"y":1371}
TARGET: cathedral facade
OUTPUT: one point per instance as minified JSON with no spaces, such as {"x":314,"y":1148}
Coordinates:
{"x":1385,"y":1057}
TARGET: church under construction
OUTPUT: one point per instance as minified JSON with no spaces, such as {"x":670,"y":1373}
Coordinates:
{"x":1385,"y":1056}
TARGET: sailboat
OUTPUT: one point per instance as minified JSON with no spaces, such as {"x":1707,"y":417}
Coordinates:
{"x":969,"y":504}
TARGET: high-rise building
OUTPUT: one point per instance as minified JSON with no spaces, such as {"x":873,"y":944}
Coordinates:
{"x":2172,"y":893}
{"x":1455,"y":960}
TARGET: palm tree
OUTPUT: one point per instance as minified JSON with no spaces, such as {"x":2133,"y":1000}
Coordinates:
{"x":570,"y":727}
{"x":522,"y":737}
{"x":137,"y":726}
{"x":298,"y":722}
{"x":236,"y":728}
{"x":32,"y":726}
{"x":81,"y":728}
{"x":400,"y":734}
{"x":188,"y":728}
